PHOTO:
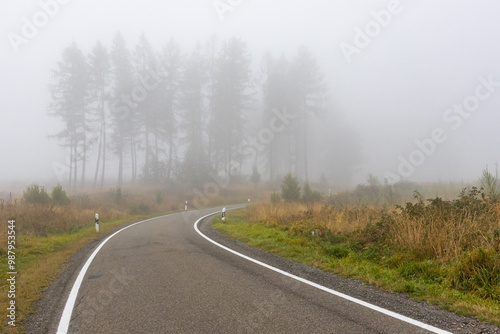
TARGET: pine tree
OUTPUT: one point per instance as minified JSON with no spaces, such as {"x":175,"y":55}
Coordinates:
{"x":122,"y":106}
{"x":255,"y":178}
{"x":191,"y":105}
{"x":308,"y":94}
{"x":290,"y":190}
{"x":277,"y":99}
{"x":70,"y":103}
{"x":100,"y":71}
{"x":171,"y":61}
{"x":147,"y":108}
{"x":231,"y":98}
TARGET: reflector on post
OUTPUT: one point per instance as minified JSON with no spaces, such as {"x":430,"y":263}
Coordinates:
{"x":96,"y":222}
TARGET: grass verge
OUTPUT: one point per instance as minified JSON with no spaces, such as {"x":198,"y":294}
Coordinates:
{"x":424,"y":280}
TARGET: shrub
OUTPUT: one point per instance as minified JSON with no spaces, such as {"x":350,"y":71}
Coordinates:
{"x":159,"y":197}
{"x":490,"y":184}
{"x":59,"y":196}
{"x":290,"y":190}
{"x":310,"y":196}
{"x":34,"y":194}
{"x":255,"y":178}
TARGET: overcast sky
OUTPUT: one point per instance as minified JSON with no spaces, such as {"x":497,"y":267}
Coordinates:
{"x":397,"y":78}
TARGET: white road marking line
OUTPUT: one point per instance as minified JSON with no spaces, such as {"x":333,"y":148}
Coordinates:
{"x":331,"y":291}
{"x":70,"y":303}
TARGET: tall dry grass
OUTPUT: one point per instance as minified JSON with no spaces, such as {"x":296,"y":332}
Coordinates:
{"x":338,"y":220}
{"x":433,"y":229}
{"x":446,"y":229}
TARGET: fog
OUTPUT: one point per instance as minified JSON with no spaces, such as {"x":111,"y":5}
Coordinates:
{"x":413,"y":87}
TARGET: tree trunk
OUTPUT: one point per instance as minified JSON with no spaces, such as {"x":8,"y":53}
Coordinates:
{"x":147,"y":176}
{"x":156,"y":161}
{"x":170,"y":155}
{"x":99,"y":152}
{"x":70,"y":164}
{"x":134,"y":160}
{"x":305,"y":150}
{"x":84,"y":161}
{"x":103,"y":153}
{"x":75,"y":174}
{"x":304,"y":124}
{"x":120,"y":167}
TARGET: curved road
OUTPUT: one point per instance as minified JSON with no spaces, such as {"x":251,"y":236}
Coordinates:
{"x":161,"y":276}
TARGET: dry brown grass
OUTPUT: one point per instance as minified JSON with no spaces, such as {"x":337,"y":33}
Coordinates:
{"x":338,"y":220}
{"x":429,"y":230}
{"x":439,"y":237}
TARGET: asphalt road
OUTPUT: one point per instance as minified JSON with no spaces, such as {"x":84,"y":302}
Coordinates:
{"x":161,"y":276}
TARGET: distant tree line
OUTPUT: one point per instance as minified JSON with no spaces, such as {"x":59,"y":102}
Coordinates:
{"x":160,"y":116}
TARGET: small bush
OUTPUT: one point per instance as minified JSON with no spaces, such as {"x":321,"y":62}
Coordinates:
{"x":290,"y":190}
{"x":59,"y":196}
{"x":376,"y":233}
{"x":490,"y":184}
{"x":159,"y":197}
{"x":35,"y":194}
{"x":255,"y":178}
{"x":310,"y":196}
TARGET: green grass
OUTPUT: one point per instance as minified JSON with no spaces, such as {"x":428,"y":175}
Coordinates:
{"x":424,"y":280}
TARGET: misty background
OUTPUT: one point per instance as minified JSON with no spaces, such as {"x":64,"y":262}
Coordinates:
{"x":429,"y":57}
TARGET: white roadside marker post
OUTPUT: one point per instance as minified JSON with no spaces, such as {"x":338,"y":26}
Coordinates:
{"x":186,"y":206}
{"x":223,"y":214}
{"x":249,"y":202}
{"x":96,"y":222}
